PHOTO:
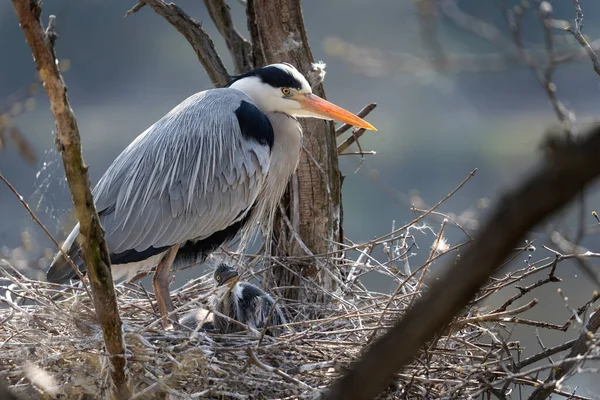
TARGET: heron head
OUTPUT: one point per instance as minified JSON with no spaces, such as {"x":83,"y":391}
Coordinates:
{"x":224,"y":274}
{"x":281,"y":88}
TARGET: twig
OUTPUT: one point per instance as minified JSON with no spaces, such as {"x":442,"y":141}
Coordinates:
{"x":580,"y":347}
{"x":579,"y":253}
{"x":356,"y":134}
{"x":138,"y":6}
{"x":68,"y":142}
{"x":432,"y":253}
{"x":544,"y":354}
{"x":362,"y":113}
{"x":524,"y":290}
{"x":276,"y":371}
{"x":239,"y":47}
{"x":195,"y":35}
{"x":544,"y":78}
{"x":578,"y":35}
{"x":359,"y":153}
{"x":46,"y":231}
{"x":426,"y":213}
{"x":494,"y":316}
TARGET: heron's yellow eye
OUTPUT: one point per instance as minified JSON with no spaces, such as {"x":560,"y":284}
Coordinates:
{"x":286,"y":91}
{"x":218,"y":279}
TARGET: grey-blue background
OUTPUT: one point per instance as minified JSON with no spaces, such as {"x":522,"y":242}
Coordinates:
{"x":125,"y":73}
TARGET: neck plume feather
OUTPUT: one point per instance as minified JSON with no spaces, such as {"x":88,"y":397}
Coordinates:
{"x":285,"y":156}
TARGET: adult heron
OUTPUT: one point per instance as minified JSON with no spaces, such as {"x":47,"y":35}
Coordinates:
{"x":215,"y":165}
{"x":243,"y":302}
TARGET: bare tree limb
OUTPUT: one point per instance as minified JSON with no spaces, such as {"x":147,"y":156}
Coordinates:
{"x":362,"y":113}
{"x":46,"y":231}
{"x":68,"y":143}
{"x":194,"y":33}
{"x":239,"y":47}
{"x":569,"y":165}
{"x":578,"y":35}
{"x":580,"y":347}
{"x":544,"y":354}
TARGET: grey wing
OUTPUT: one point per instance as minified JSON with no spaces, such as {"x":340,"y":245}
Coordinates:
{"x":189,"y":175}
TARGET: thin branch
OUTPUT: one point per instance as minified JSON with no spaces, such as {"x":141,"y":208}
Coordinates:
{"x":195,"y":35}
{"x":524,"y":290}
{"x":545,"y":354}
{"x":359,"y":153}
{"x":362,"y":113}
{"x":578,"y":35}
{"x":68,"y":142}
{"x":276,"y":371}
{"x":138,"y":6}
{"x":580,"y":347}
{"x":356,"y":134}
{"x":494,"y":316}
{"x":544,"y":77}
{"x":46,"y":231}
{"x":239,"y":47}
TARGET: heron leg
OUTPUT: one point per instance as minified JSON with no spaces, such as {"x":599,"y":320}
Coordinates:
{"x":160,"y":283}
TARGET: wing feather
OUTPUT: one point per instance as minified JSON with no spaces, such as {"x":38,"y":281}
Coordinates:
{"x":189,"y":175}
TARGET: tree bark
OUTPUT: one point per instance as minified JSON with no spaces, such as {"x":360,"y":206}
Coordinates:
{"x":68,"y":142}
{"x":313,"y":200}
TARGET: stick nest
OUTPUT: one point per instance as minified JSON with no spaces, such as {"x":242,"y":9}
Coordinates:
{"x":50,"y":343}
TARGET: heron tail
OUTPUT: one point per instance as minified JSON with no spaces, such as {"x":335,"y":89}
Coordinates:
{"x":61,"y":270}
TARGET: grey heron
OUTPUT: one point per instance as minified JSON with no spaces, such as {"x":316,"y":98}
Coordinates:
{"x":213,"y":167}
{"x":243,"y":302}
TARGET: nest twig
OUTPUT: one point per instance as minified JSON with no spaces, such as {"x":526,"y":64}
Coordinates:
{"x":60,"y":341}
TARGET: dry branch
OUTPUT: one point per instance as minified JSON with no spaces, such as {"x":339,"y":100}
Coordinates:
{"x":356,"y":133}
{"x":569,"y":166}
{"x":307,"y":357}
{"x":46,"y":231}
{"x":239,"y":47}
{"x":579,"y":348}
{"x":578,"y":35}
{"x":362,"y":113}
{"x":68,"y":143}
{"x":194,"y":33}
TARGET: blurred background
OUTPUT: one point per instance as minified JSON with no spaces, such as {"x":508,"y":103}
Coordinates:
{"x":477,"y":107}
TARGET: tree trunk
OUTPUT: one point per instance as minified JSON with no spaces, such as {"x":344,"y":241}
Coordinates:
{"x":313,"y":199}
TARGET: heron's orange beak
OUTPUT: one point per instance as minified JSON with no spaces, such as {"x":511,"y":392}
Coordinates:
{"x":324,"y":109}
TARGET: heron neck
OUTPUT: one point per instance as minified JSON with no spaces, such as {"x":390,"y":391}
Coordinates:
{"x":285,"y":155}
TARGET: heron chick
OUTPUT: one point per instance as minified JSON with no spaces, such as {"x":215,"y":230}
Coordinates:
{"x":214,"y":166}
{"x":243,"y":302}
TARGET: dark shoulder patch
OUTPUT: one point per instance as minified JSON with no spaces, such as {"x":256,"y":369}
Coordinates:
{"x":273,"y":76}
{"x":255,"y":124}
